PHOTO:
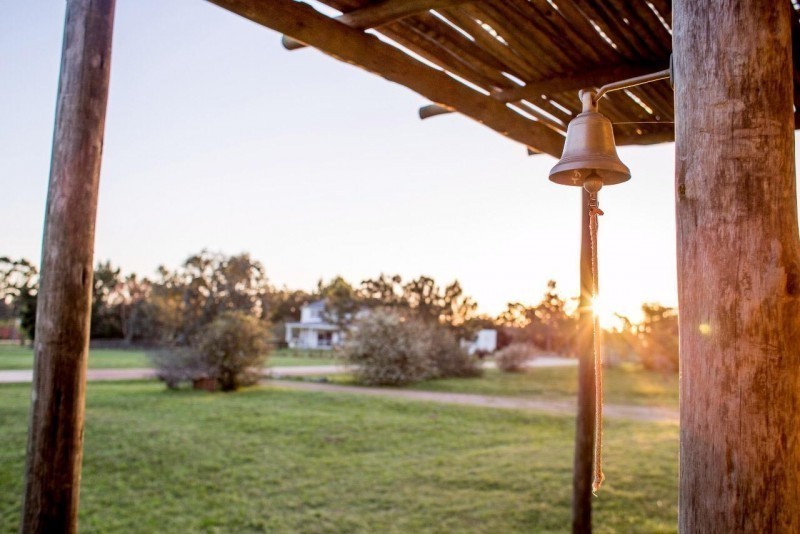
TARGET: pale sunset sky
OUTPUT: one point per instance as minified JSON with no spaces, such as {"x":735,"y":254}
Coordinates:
{"x":217,"y":137}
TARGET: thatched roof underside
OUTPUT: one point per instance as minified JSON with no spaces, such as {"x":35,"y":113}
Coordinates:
{"x":513,"y":65}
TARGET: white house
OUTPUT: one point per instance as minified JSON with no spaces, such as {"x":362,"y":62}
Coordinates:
{"x":312,"y":332}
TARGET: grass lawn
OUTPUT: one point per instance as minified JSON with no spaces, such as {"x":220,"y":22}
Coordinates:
{"x":16,"y":357}
{"x":271,"y":460}
{"x":626,"y":384}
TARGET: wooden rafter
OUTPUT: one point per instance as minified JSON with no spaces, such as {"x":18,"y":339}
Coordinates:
{"x":577,"y":80}
{"x":353,"y":46}
{"x":381,"y":13}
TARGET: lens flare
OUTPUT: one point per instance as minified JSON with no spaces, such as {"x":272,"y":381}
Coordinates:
{"x":599,"y":310}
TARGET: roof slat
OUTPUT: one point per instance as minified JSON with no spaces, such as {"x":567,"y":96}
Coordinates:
{"x":308,"y":26}
{"x":380,"y":13}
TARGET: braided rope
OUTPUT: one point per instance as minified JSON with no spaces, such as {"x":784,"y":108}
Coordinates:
{"x":594,"y":211}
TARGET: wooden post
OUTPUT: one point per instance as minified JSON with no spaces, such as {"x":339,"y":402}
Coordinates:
{"x":584,"y":424}
{"x":738,"y":267}
{"x":55,"y":437}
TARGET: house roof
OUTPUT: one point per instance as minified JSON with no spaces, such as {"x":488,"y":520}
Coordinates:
{"x":316,"y":304}
{"x":512,"y":65}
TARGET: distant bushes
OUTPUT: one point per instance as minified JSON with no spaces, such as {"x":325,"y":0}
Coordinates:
{"x":449,"y":358}
{"x":515,"y":357}
{"x":388,"y":347}
{"x":231,"y":351}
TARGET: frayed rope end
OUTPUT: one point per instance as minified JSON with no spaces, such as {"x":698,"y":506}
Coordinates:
{"x":598,"y":481}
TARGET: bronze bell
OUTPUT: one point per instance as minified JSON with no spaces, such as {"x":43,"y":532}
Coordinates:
{"x":589,"y":148}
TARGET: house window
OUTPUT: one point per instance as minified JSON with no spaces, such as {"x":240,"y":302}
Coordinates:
{"x":325,"y":339}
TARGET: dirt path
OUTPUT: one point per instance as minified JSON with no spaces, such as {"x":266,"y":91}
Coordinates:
{"x":611,"y":411}
{"x":26,"y":375}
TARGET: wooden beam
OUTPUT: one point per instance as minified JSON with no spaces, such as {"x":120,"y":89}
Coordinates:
{"x":55,"y":438}
{"x":433,"y":110}
{"x":738,"y":267}
{"x":340,"y":41}
{"x":577,"y":80}
{"x":380,"y":13}
{"x":648,"y":138}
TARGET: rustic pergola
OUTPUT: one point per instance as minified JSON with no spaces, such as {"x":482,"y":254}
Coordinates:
{"x":516,"y":66}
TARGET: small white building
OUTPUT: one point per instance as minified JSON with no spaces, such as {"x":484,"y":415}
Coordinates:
{"x":485,"y":341}
{"x":312,"y":332}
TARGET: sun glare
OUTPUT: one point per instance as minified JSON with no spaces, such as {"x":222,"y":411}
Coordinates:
{"x":606,"y":316}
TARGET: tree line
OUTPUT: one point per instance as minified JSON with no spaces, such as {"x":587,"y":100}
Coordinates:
{"x":174,"y":305}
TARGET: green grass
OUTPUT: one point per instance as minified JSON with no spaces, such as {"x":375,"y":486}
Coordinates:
{"x":625,"y":384}
{"x":271,"y":460}
{"x":14,"y":357}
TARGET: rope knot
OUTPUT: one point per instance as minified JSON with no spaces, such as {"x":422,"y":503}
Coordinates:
{"x":595,"y":211}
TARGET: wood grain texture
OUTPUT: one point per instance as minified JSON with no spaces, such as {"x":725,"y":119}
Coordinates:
{"x":366,"y":51}
{"x":62,"y":322}
{"x":577,"y":80}
{"x":583,"y":474}
{"x":380,"y":13}
{"x":738,"y":267}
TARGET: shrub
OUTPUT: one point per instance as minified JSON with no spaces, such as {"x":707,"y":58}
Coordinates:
{"x":449,"y":358}
{"x":233,"y":347}
{"x":389,"y":348}
{"x":176,"y":365}
{"x":514,"y":358}
{"x":232,"y":350}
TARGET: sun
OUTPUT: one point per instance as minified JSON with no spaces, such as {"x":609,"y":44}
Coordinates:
{"x":601,"y":311}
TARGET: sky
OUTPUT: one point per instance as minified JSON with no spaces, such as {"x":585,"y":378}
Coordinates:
{"x":218,"y":138}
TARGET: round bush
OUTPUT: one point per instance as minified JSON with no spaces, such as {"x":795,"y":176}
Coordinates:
{"x":514,"y":358}
{"x":388,"y":348}
{"x":234,"y":348}
{"x":449,"y":358}
{"x":230,"y":350}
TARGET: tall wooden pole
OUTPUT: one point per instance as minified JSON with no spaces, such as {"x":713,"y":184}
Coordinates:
{"x":62,"y":319}
{"x":584,"y":424}
{"x":738,"y":267}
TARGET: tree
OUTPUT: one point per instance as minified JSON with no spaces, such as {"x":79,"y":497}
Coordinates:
{"x":553,"y":328}
{"x":658,"y":336}
{"x":385,"y":291}
{"x":547,"y":324}
{"x":106,"y":321}
{"x":205,"y":286}
{"x":19,"y":285}
{"x":284,"y":305}
{"x":341,"y":302}
{"x":449,"y":306}
{"x":135,"y":309}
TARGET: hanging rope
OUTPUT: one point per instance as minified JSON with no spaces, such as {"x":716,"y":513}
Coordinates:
{"x":594,"y":211}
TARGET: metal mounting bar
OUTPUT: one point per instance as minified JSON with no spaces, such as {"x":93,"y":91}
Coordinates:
{"x":632,"y":82}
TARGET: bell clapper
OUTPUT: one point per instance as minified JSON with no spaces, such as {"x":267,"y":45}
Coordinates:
{"x":593,"y":184}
